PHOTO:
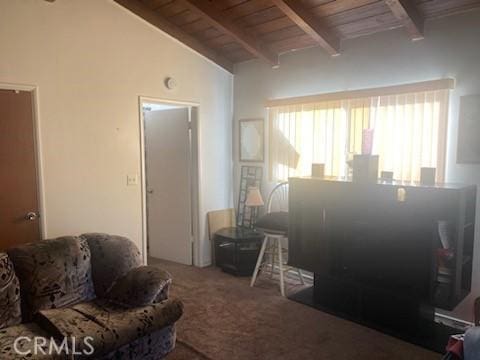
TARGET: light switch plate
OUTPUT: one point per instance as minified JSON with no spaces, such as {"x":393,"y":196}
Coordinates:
{"x":132,"y":180}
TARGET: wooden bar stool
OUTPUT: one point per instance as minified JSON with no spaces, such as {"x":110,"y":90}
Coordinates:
{"x":273,"y":253}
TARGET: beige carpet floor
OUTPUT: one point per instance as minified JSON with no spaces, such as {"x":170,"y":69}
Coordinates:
{"x":225,"y":319}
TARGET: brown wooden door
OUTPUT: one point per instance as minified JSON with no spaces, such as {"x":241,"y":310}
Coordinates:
{"x":18,"y":174}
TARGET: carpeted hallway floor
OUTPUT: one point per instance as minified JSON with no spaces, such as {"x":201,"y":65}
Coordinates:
{"x":225,"y":319}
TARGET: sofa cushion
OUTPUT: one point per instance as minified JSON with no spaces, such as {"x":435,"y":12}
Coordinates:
{"x":25,"y":333}
{"x":142,"y":286}
{"x":10,"y":313}
{"x":53,"y":274}
{"x":111,"y":326}
{"x":112,"y":257}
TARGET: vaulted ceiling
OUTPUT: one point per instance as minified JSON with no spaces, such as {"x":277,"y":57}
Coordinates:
{"x":233,"y":31}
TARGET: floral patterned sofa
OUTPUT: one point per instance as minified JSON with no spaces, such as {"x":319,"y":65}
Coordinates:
{"x":84,"y":297}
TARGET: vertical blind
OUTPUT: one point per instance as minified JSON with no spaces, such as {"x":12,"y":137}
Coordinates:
{"x":409,"y":133}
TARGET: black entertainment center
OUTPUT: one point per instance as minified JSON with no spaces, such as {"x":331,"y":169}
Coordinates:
{"x":383,"y":253}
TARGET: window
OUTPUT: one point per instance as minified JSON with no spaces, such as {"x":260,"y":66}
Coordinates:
{"x":409,"y":133}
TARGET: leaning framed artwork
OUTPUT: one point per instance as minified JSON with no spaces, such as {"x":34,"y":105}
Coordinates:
{"x":252,"y":140}
{"x":468,"y":148}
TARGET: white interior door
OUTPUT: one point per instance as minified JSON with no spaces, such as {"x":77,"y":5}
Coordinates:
{"x":168,"y":181}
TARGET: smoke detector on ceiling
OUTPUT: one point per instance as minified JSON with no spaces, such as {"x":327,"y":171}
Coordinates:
{"x":170,"y":83}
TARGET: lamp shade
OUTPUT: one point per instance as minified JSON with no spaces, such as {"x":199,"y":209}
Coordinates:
{"x":254,"y":197}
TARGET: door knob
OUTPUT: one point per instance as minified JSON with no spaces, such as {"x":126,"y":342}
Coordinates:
{"x":31,"y":216}
{"x":150,"y":191}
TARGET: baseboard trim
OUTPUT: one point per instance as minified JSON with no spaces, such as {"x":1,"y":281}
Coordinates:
{"x":453,"y":321}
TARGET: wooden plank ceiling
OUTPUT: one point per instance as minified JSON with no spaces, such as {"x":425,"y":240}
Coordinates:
{"x":233,"y":31}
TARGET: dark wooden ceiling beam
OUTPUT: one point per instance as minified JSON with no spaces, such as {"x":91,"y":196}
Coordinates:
{"x":405,"y":11}
{"x":251,"y":43}
{"x":294,"y":10}
{"x":154,"y":18}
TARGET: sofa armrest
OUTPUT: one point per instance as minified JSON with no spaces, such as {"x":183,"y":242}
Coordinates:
{"x":142,"y":286}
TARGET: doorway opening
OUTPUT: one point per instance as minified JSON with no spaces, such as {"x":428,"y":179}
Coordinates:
{"x":169,"y":143}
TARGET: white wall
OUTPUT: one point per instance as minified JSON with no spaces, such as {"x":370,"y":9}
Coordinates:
{"x":91,"y":60}
{"x":451,"y":49}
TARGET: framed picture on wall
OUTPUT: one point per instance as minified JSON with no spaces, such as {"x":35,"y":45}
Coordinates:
{"x":252,"y":138}
{"x":468,"y":148}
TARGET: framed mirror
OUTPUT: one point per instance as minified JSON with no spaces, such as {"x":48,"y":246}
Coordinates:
{"x":252,"y":133}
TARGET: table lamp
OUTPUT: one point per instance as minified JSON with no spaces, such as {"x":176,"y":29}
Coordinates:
{"x":254,"y":201}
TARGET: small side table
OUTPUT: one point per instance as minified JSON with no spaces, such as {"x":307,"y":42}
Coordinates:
{"x":237,"y":249}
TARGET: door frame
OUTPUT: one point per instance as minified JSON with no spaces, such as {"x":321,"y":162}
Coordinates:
{"x":194,"y":169}
{"x":37,"y":143}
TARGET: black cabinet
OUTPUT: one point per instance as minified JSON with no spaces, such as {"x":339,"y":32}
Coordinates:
{"x":237,"y":249}
{"x":392,"y":243}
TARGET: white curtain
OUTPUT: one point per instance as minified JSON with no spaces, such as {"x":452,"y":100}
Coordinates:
{"x":409,"y":133}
